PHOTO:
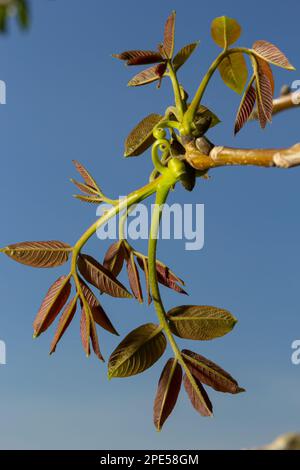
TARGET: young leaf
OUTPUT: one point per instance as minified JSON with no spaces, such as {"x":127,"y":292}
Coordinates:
{"x":97,"y":311}
{"x":272,"y":54}
{"x":138,"y":351}
{"x":246,"y":107}
{"x":138,"y":57}
{"x":64,"y":322}
{"x":225,"y":31}
{"x":234,"y":72}
{"x":183,"y":55}
{"x":89,"y":180}
{"x":90,"y":199}
{"x":165,"y":276}
{"x":114,"y":258}
{"x":52,"y":304}
{"x":100,"y":277}
{"x":141,"y":137}
{"x":85,"y":326}
{"x":167,"y":392}
{"x":149,"y":75}
{"x":23,"y":13}
{"x":206,"y":114}
{"x":200,"y":322}
{"x":94,"y":340}
{"x":264,"y":91}
{"x":134,"y":277}
{"x":84,"y":188}
{"x":198,"y":395}
{"x":39,"y":254}
{"x":169,"y":33}
{"x":143,"y":262}
{"x":210,"y":373}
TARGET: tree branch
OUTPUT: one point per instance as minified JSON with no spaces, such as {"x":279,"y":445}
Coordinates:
{"x":204,"y":156}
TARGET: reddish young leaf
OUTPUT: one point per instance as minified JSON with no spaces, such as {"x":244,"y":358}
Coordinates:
{"x":165,"y":276}
{"x":54,"y":301}
{"x":138,"y":57}
{"x":210,"y":373}
{"x":97,"y":311}
{"x":147,"y":76}
{"x":264,"y":91}
{"x":134,"y":277}
{"x":198,"y":396}
{"x":167,"y":392}
{"x":169,"y":33}
{"x":64,"y":322}
{"x":160,"y":70}
{"x":114,"y":258}
{"x":47,"y":254}
{"x":90,"y":199}
{"x":144,"y":264}
{"x":100,"y":277}
{"x":85,"y":327}
{"x":271,"y":53}
{"x":89,"y":180}
{"x":84,"y":188}
{"x":246,"y":108}
{"x":183,"y":55}
{"x":94,"y":340}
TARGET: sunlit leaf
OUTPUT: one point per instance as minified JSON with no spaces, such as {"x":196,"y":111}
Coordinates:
{"x":198,"y":395}
{"x":225,"y":31}
{"x":234,"y":72}
{"x":64,"y":322}
{"x":200,"y":322}
{"x":245,"y":108}
{"x":167,"y":392}
{"x":169,"y":34}
{"x":84,"y":188}
{"x":88,"y":179}
{"x":96,"y":309}
{"x":114,"y":257}
{"x":272,"y":54}
{"x":210,"y":373}
{"x":141,"y":137}
{"x":100,"y":277}
{"x":137,"y":57}
{"x":52,"y":304}
{"x":39,"y":254}
{"x":165,"y":276}
{"x":138,"y":351}
{"x":184,"y":54}
{"x":147,"y":76}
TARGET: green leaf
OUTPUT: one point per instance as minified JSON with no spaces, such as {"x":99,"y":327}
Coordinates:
{"x":184,"y":54}
{"x":234,"y":72}
{"x":47,"y":254}
{"x":100,"y":277}
{"x":23,"y":13}
{"x":138,"y":351}
{"x":205,"y":115}
{"x":167,"y":392}
{"x":141,"y":137}
{"x":200,"y":322}
{"x":225,"y":31}
{"x":210,"y":373}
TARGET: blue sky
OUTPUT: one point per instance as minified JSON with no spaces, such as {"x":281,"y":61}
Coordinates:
{"x":67,"y":99}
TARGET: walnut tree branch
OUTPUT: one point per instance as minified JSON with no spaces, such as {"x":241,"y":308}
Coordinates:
{"x":202,"y":155}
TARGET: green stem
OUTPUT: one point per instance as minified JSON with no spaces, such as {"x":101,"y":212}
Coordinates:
{"x":192,"y":109}
{"x":161,"y":197}
{"x":180,"y":105}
